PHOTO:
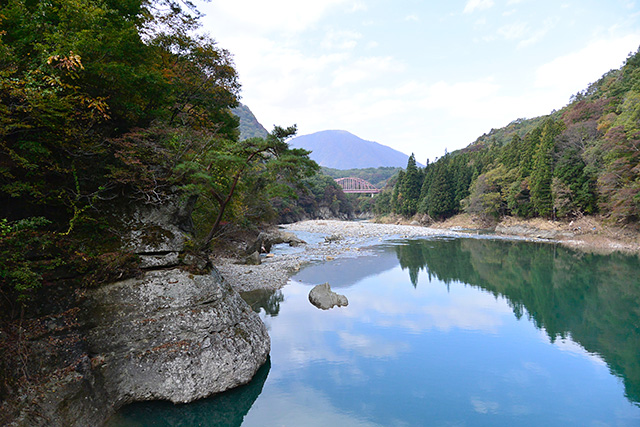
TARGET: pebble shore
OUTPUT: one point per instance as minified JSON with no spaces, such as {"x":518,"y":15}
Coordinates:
{"x":326,"y":240}
{"x":330,"y":239}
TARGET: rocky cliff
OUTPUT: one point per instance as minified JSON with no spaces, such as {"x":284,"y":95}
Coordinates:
{"x":168,"y":334}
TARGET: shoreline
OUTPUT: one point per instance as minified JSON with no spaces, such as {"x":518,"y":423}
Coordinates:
{"x":325,"y":240}
{"x":587,"y":234}
{"x":331,"y":239}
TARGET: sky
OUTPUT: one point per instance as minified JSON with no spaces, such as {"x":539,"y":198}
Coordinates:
{"x":419,"y":76}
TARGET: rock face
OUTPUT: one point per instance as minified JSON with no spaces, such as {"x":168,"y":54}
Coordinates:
{"x":156,"y":233}
{"x":170,"y":335}
{"x":167,"y":334}
{"x":173,"y":336}
{"x":324,"y":298}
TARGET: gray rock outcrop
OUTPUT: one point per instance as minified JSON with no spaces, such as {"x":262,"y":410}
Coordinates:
{"x":167,"y":334}
{"x":173,"y":336}
{"x":324,"y":298}
{"x":253,"y":259}
{"x":265,"y":241}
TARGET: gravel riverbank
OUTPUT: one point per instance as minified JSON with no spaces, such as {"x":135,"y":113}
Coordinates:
{"x":330,"y":239}
{"x":326,"y":240}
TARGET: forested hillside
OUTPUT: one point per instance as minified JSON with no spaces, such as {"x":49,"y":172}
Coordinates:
{"x":106,"y":104}
{"x":249,"y":126}
{"x":378,"y":177}
{"x":582,"y":159}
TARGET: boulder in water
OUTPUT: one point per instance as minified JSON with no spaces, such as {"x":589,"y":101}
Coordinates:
{"x":324,"y":298}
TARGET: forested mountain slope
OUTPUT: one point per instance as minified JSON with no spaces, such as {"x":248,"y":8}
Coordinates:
{"x":582,"y":159}
{"x":378,"y":177}
{"x":249,"y":125}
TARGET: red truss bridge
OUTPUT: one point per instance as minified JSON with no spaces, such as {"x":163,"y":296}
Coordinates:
{"x":357,"y":185}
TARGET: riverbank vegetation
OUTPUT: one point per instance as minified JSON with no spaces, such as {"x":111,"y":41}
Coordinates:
{"x":112,"y":103}
{"x":581,"y":160}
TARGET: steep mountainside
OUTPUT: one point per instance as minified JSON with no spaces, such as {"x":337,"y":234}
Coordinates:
{"x":340,"y":149}
{"x":250,"y":127}
{"x":581,"y":159}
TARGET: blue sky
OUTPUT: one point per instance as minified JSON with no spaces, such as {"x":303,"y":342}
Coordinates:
{"x":418,"y":76}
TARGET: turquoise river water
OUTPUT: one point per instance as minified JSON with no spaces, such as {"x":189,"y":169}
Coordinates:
{"x":442,"y":332}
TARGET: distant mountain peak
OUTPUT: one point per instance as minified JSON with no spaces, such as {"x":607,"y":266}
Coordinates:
{"x":340,"y":149}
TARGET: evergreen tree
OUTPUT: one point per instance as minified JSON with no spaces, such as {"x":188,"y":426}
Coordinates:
{"x":511,"y":153}
{"x":410,"y":189}
{"x":527,"y":153}
{"x":542,"y":173}
{"x":440,"y":199}
{"x":396,"y":196}
{"x":426,"y":183}
{"x":462,"y":174}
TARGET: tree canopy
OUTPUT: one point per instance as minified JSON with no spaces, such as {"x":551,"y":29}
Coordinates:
{"x":102,"y":100}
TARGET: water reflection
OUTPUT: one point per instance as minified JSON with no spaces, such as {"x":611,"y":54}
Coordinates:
{"x":349,"y":271}
{"x":593,"y":299}
{"x":265,"y":299}
{"x":225,"y":409}
{"x":451,"y":332}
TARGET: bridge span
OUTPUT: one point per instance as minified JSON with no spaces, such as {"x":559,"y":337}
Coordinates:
{"x":356,"y":185}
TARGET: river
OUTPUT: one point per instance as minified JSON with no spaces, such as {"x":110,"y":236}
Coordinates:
{"x":442,"y":331}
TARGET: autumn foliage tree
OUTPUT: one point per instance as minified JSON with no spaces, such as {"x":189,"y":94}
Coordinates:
{"x":104,"y":100}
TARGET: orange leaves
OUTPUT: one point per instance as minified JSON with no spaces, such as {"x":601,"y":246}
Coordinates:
{"x":98,"y":107}
{"x":72,"y":62}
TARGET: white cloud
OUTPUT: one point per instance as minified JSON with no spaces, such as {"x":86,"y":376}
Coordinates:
{"x":412,"y":18}
{"x":538,"y":34}
{"x":275,"y":15}
{"x":461,"y":99}
{"x":343,"y":40}
{"x":359,"y":6}
{"x":368,"y":68}
{"x":473,"y":5}
{"x":396,"y":93}
{"x":480,"y":23}
{"x":574,"y":71}
{"x":515,"y":30}
{"x":522,"y":31}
